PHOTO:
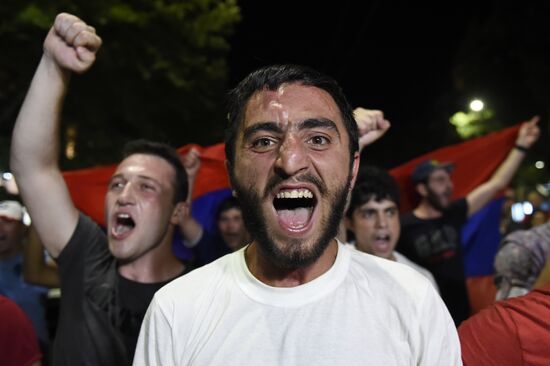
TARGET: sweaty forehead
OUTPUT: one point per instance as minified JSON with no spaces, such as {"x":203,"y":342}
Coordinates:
{"x":145,"y":165}
{"x":291,"y":103}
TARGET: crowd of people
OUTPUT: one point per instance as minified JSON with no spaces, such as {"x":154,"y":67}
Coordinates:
{"x":310,"y":260}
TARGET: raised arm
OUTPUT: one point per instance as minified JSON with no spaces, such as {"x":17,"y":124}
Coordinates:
{"x":191,"y":229}
{"x":371,"y":124}
{"x":70,"y":46}
{"x":528,"y":134}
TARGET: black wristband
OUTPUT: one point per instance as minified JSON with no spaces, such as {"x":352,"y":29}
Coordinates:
{"x":521,"y":148}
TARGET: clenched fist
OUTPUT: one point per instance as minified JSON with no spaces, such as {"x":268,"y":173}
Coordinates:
{"x":71,"y":44}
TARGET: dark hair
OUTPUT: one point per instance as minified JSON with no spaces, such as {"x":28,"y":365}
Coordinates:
{"x":272,"y":77}
{"x":373,"y":183}
{"x":166,"y":152}
{"x":227,"y":204}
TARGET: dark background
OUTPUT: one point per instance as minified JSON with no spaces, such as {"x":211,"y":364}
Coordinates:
{"x":164,"y":67}
{"x":418,"y":62}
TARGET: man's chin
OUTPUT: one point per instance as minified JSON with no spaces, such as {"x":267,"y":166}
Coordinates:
{"x":291,"y":252}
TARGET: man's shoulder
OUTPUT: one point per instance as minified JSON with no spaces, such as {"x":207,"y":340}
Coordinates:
{"x":86,"y":230}
{"x":200,"y":282}
{"x":390,"y":275}
{"x":87,"y":238}
{"x":408,"y":219}
{"x":458,"y":206}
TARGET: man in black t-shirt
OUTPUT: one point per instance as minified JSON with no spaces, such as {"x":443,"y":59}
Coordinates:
{"x":430,"y":235}
{"x":107,"y":279}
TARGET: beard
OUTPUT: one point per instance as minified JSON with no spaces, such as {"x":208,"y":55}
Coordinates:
{"x":294,"y":253}
{"x":435,"y":200}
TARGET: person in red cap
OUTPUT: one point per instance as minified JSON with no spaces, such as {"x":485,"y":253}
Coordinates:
{"x":430,"y":235}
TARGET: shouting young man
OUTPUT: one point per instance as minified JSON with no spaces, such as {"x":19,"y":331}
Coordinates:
{"x":107,"y":279}
{"x":295,"y":295}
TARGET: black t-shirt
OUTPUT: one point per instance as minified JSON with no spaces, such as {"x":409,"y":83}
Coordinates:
{"x":134,"y":299}
{"x":100,"y":312}
{"x":435,"y":244}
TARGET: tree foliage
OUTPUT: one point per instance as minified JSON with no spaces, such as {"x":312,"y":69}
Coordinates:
{"x":161,"y":72}
{"x":504,"y":59}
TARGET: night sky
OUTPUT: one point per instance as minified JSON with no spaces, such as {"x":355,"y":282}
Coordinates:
{"x":400,"y":57}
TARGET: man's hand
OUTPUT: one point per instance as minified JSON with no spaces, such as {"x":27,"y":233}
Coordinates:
{"x":371,"y":125}
{"x":191,"y":162}
{"x":71,"y":44}
{"x":529,"y":133}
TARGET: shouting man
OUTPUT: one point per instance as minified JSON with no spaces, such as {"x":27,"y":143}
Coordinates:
{"x":295,"y":295}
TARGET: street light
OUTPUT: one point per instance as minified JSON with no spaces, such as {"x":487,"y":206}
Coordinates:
{"x":476,"y":105}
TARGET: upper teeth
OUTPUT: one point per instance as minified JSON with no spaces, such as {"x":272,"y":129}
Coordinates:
{"x":123,"y":216}
{"x":296,"y":193}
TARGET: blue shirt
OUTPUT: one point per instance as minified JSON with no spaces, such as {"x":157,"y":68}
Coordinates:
{"x":28,"y":297}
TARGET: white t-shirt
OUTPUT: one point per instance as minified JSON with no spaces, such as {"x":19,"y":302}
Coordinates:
{"x":400,"y":258}
{"x":363,"y":311}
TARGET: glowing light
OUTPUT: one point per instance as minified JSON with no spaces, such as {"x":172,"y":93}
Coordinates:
{"x":517,"y":212}
{"x":539,"y":164}
{"x":476,"y":105}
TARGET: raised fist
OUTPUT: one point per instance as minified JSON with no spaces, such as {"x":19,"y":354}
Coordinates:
{"x":71,"y":44}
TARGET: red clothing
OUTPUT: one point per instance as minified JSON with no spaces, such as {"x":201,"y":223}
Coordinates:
{"x":511,"y":332}
{"x":18,"y":342}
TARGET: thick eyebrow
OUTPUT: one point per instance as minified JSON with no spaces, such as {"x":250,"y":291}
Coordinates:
{"x":261,"y":126}
{"x":318,"y":123}
{"x":303,"y":125}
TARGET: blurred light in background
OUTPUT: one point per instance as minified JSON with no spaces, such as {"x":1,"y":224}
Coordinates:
{"x":476,"y":105}
{"x":520,"y":210}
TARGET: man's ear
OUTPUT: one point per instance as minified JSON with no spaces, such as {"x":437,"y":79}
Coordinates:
{"x":354,"y":172}
{"x":422,"y":189}
{"x":180,"y":213}
{"x":355,"y":168}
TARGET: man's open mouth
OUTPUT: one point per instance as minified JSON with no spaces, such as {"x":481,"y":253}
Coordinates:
{"x":294,"y":207}
{"x":123,"y":225}
{"x":382,"y":238}
{"x":382,"y":241}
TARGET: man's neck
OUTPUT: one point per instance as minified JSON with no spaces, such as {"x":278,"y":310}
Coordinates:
{"x":267,"y":272}
{"x":157,"y":265}
{"x":426,"y":211}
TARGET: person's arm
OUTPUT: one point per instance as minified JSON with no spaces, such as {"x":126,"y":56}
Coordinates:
{"x":371,"y":124}
{"x":191,"y":229}
{"x":528,"y":134}
{"x":35,"y":268}
{"x":70,"y":46}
